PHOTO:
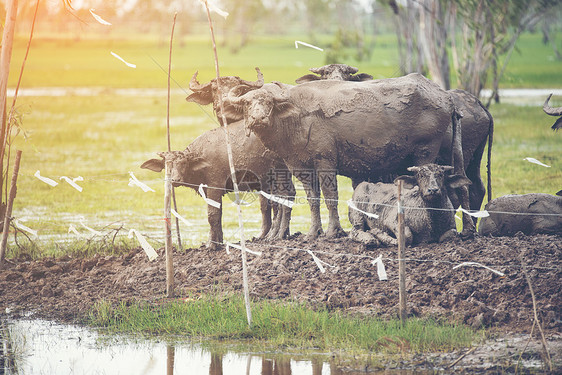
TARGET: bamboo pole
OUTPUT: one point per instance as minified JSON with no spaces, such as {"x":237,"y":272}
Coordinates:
{"x":168,"y":127}
{"x":233,"y":176}
{"x":7,"y":217}
{"x":401,"y":264}
{"x":168,"y":224}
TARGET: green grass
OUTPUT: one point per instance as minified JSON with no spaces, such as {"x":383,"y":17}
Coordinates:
{"x":103,"y":137}
{"x":281,"y":324}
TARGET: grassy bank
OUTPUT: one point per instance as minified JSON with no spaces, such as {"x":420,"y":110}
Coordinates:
{"x":282,"y":324}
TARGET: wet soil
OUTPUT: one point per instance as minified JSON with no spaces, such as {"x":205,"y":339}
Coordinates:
{"x":65,"y":289}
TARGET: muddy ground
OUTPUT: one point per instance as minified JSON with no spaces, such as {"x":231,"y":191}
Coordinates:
{"x":65,"y":289}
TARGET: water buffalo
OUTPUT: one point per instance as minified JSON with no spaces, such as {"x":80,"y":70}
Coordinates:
{"x":340,"y":72}
{"x":205,"y":161}
{"x":429,"y":215}
{"x":527,"y":213}
{"x":204,"y":94}
{"x":553,"y":112}
{"x":361,"y":130}
{"x":477,"y":127}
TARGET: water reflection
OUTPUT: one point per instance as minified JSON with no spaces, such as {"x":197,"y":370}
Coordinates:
{"x":41,"y":347}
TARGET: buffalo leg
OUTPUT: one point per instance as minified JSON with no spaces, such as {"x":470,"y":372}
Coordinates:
{"x":265,"y":208}
{"x":313,"y":195}
{"x":214,"y":216}
{"x":329,"y":184}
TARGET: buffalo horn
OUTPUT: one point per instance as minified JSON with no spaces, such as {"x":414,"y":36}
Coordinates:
{"x":194,"y":85}
{"x":258,"y":83}
{"x":549,"y":110}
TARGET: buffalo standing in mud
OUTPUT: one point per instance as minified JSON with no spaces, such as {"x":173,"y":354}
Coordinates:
{"x":362,"y":130}
{"x":477,"y":128}
{"x":205,"y":161}
{"x":528,"y":213}
{"x":429,"y":214}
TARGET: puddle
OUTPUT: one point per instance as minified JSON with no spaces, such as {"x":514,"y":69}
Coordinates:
{"x":43,"y":347}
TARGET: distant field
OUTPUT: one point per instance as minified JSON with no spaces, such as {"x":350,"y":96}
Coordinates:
{"x":104,"y":136}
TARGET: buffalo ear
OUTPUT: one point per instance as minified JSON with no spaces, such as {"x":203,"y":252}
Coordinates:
{"x":362,"y":77}
{"x":197,"y":164}
{"x":457,"y":181}
{"x":307,"y":78}
{"x":155,"y":165}
{"x":202,"y":98}
{"x":409,"y":181}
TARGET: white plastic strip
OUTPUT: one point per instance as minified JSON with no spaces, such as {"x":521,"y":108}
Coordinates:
{"x":352,"y":205}
{"x":535,"y":161}
{"x":72,"y":182}
{"x":297,"y":42}
{"x":214,"y":8}
{"x":25,"y":228}
{"x":133,"y":181}
{"x":479,"y":265}
{"x":46,"y":180}
{"x":120,"y":58}
{"x":283,"y":201}
{"x":475,"y":214}
{"x":149,"y":250}
{"x":93,"y":231}
{"x":72,"y":229}
{"x":381,"y":271}
{"x":317,"y":261}
{"x":210,"y":202}
{"x":229,"y":245}
{"x":98,"y":18}
{"x":183,"y":220}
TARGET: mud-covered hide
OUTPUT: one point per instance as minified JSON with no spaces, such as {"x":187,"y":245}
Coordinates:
{"x":340,"y":72}
{"x":362,"y":130}
{"x":205,"y":161}
{"x":528,"y":213}
{"x":477,"y":127}
{"x":428,"y":212}
{"x":207,"y":93}
{"x":553,"y":112}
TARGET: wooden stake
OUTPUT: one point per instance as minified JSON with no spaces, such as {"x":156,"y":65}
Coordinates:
{"x":168,"y":127}
{"x":233,"y":176}
{"x":168,"y":222}
{"x":7,"y":217}
{"x":401,"y":264}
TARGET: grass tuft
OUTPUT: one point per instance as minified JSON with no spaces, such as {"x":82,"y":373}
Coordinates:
{"x":286,"y":324}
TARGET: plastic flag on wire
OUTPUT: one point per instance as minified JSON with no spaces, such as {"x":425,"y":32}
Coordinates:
{"x":535,"y":161}
{"x":72,"y":182}
{"x":46,"y":180}
{"x":209,"y":201}
{"x":277,"y":199}
{"x":120,"y":58}
{"x":98,"y":18}
{"x":133,"y":181}
{"x":297,"y":42}
{"x":381,"y":271}
{"x":214,"y":8}
{"x":149,"y":250}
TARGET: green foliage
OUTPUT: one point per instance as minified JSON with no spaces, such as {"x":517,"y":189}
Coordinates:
{"x":280,"y":324}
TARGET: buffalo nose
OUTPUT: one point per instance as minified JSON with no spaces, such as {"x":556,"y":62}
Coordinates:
{"x":433,"y":190}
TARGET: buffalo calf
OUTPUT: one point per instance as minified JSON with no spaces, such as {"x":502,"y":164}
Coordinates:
{"x":428,"y":211}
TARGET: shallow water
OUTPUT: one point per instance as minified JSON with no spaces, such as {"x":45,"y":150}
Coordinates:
{"x":42,"y":347}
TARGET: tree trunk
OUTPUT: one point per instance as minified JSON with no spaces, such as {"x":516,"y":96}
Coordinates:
{"x":5,"y":58}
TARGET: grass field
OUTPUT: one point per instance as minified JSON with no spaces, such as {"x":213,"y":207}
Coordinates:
{"x":104,"y":135}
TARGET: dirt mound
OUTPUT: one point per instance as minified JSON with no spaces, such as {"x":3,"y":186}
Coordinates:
{"x":65,"y":289}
